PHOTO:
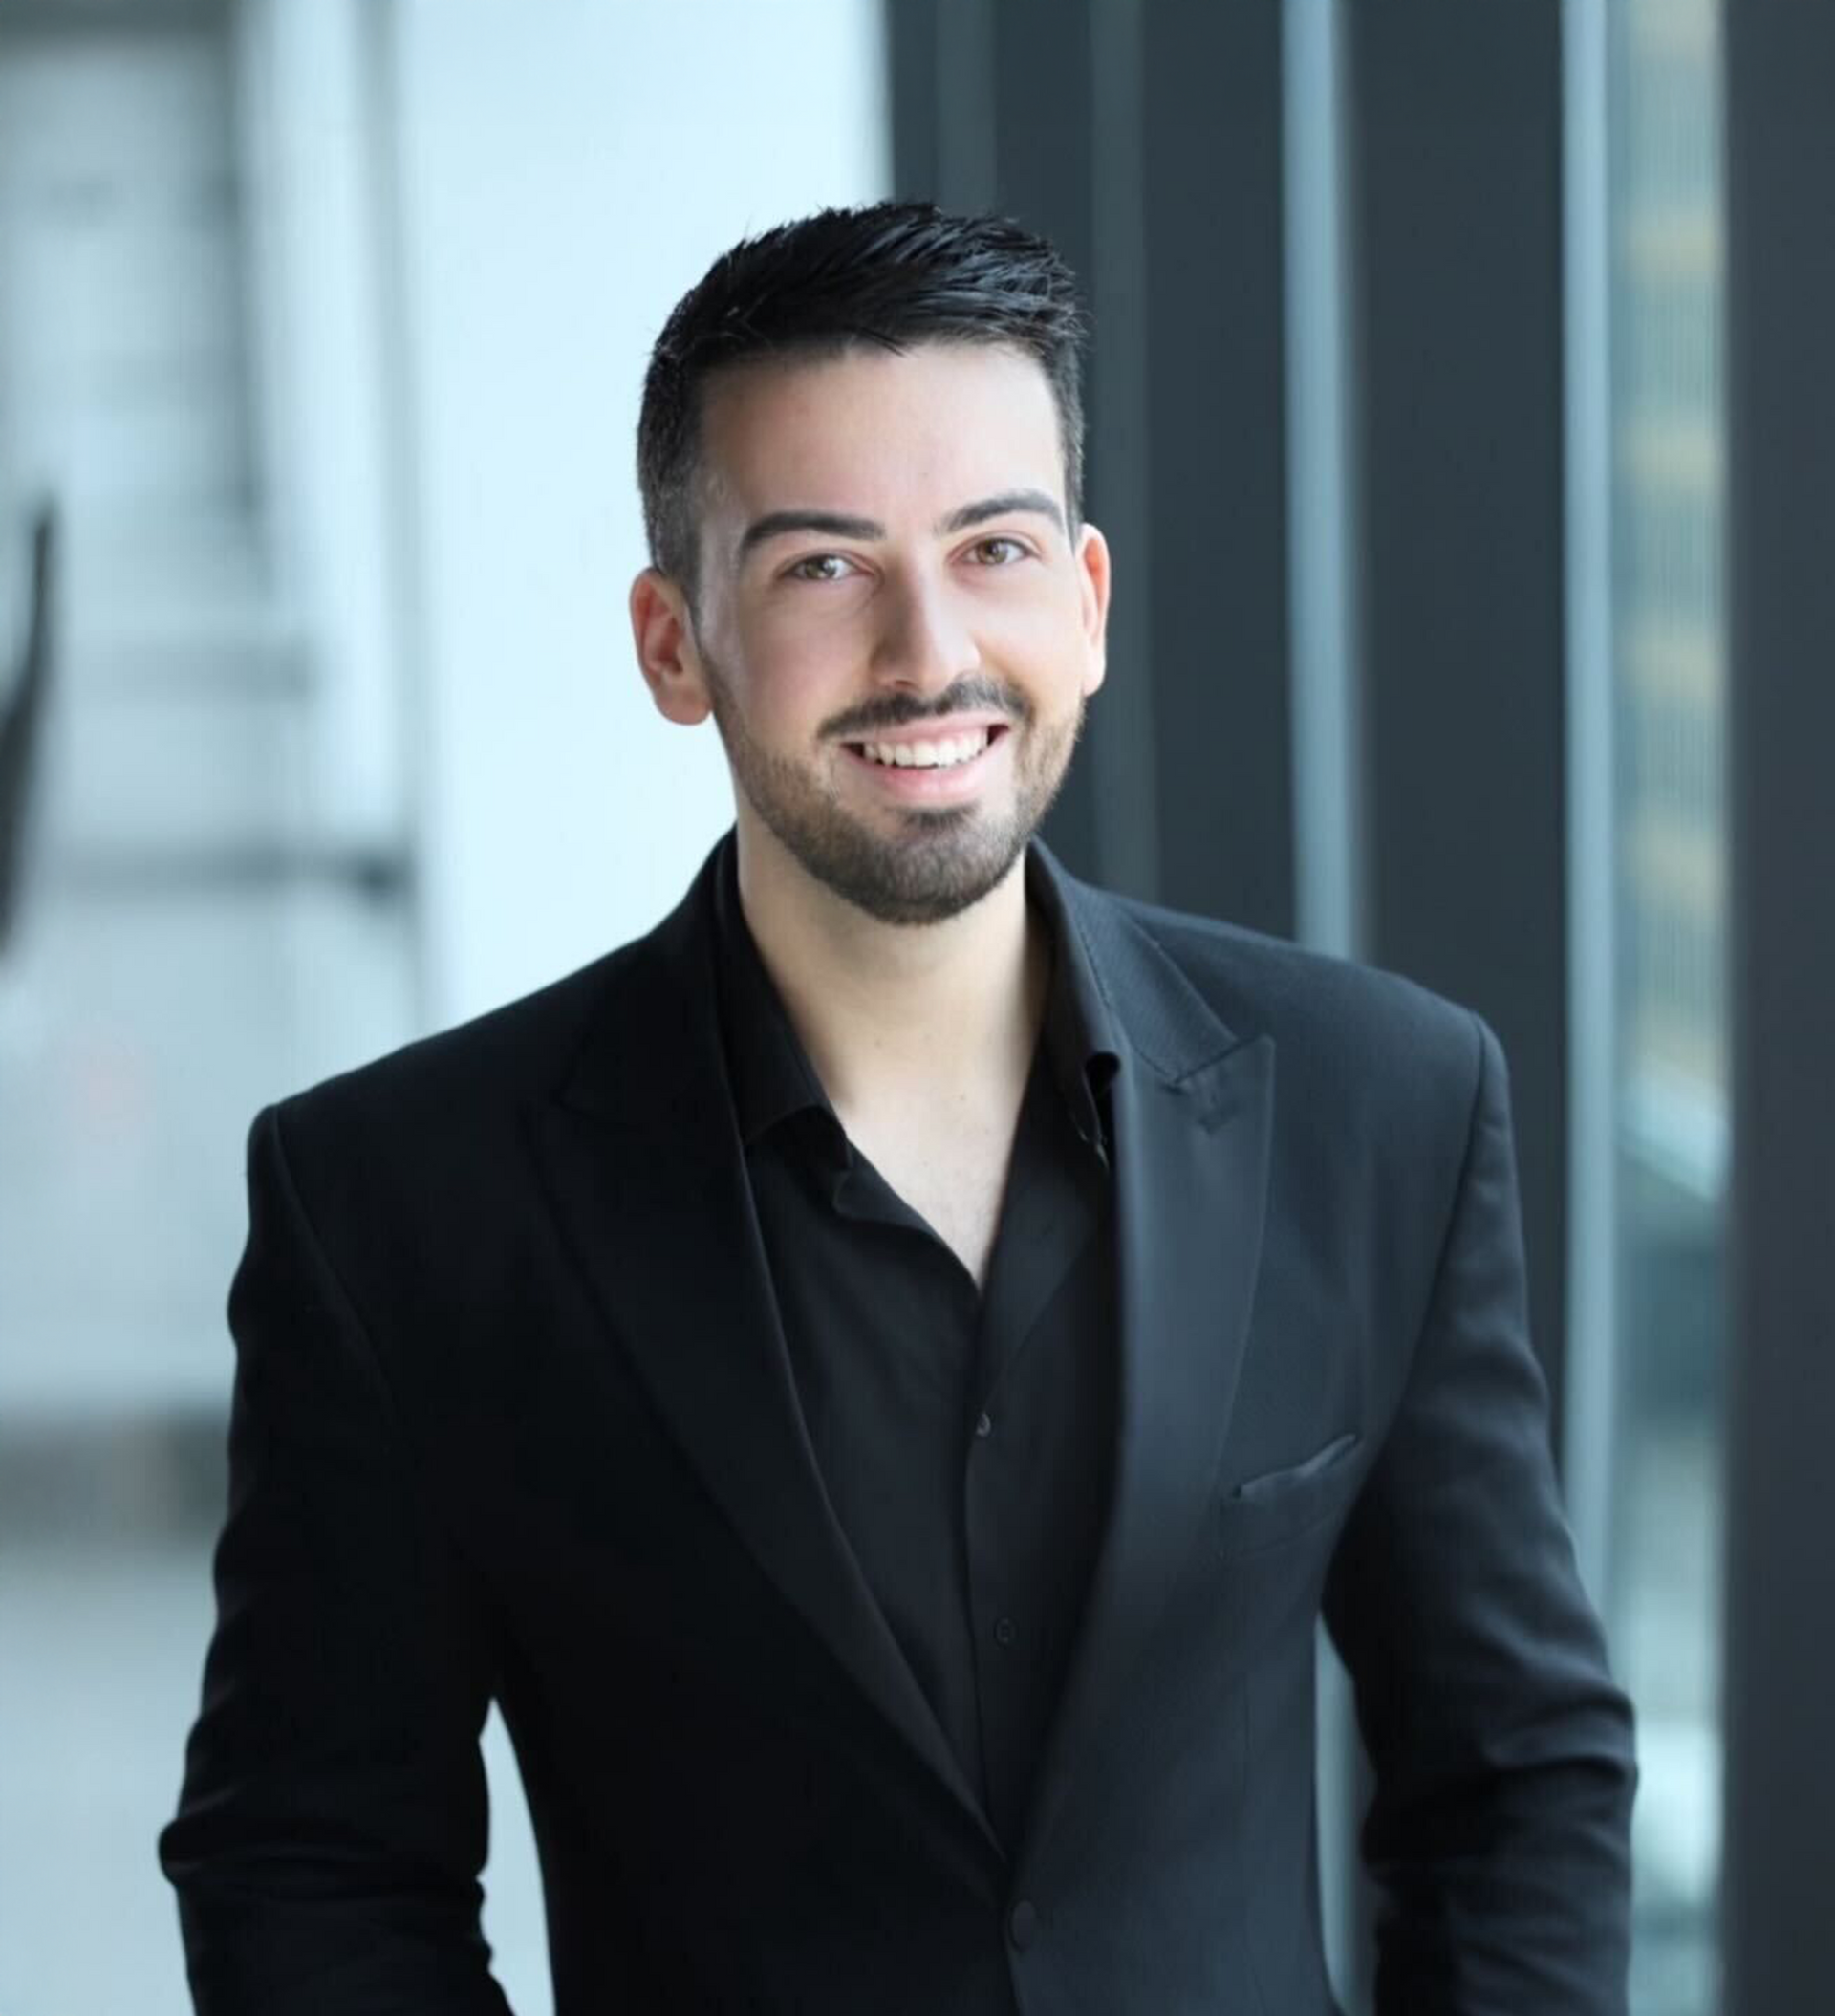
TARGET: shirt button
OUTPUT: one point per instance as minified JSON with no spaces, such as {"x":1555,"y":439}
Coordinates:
{"x":983,"y":1427}
{"x":1003,"y":1635}
{"x":1022,"y":1925}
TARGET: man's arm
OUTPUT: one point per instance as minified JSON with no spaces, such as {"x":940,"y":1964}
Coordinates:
{"x":333,"y":1817}
{"x":1500,"y":1831}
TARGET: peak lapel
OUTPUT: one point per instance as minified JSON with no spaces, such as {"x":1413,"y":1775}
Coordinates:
{"x":648,"y":1178}
{"x":1191,"y":1108}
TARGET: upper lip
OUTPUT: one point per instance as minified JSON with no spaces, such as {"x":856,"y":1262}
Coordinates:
{"x":946,"y":729}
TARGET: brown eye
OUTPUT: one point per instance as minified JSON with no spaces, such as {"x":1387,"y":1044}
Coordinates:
{"x":997,"y":552}
{"x":817,"y":567}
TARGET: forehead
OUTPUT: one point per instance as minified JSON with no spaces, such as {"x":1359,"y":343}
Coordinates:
{"x":934,"y":427}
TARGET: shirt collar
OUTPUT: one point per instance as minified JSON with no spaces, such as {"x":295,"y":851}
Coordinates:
{"x":773,"y":1079}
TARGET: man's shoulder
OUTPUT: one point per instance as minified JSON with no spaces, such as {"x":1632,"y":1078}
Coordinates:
{"x":475,"y":1080}
{"x":1313,"y":1004}
{"x":1372,"y":1071}
{"x":493,"y":1068}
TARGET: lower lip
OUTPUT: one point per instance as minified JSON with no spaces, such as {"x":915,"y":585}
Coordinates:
{"x":935,"y":785}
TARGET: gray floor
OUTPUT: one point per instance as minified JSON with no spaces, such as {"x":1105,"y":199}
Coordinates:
{"x":99,"y":1682}
{"x":96,"y":1676}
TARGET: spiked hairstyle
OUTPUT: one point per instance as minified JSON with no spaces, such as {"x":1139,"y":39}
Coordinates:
{"x":888,"y":274}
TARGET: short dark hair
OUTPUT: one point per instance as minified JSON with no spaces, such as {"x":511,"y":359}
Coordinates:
{"x":891,"y":275}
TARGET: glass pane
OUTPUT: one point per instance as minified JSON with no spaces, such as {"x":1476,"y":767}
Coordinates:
{"x":1668,"y":507}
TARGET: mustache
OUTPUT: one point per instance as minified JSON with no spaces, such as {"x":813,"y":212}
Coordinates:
{"x":899,"y":711}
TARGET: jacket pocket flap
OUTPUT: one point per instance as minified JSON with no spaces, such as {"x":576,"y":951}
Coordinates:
{"x":1281,"y":1505}
{"x":1272,"y":1484}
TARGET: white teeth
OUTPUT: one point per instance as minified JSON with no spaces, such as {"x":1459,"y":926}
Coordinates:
{"x":928,"y":755}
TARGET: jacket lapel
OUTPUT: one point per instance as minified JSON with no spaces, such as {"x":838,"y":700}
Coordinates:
{"x":1191,"y":1109}
{"x":648,"y":1178}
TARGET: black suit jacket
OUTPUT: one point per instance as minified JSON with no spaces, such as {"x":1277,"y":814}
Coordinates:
{"x":513,"y":1418}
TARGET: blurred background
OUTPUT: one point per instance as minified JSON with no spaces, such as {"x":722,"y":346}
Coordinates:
{"x":1459,"y":422}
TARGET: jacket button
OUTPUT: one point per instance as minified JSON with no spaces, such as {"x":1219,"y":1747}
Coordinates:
{"x":983,"y":1425}
{"x":1022,"y":1925}
{"x":1003,"y":1632}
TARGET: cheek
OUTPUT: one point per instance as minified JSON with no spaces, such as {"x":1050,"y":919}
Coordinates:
{"x":1041,"y":616}
{"x":793,"y":663}
{"x":800,"y":639}
{"x":1051,"y":649}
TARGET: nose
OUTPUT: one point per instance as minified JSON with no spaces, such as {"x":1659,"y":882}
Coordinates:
{"x":925,"y":643}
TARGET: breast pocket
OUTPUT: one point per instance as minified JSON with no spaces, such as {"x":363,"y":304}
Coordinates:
{"x":1279,"y":1505}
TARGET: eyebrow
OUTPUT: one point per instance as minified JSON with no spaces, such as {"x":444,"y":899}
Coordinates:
{"x":840,"y":525}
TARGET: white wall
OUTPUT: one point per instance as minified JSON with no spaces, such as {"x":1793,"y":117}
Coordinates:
{"x":118,"y":283}
{"x":317,"y":303}
{"x":566,"y":173}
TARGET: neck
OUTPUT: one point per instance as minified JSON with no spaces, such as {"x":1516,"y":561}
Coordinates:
{"x":896,"y":1013}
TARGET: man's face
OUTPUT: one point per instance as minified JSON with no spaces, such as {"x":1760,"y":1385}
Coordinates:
{"x":887,"y":580}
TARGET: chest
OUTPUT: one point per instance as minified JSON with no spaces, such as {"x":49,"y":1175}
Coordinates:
{"x":953,"y":1176}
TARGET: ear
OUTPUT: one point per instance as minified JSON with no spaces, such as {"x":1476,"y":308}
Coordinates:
{"x":664,"y":632}
{"x":1092,"y":590}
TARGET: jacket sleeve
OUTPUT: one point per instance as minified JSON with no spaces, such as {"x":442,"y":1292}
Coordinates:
{"x":1499,"y":1833}
{"x":332,"y":1821}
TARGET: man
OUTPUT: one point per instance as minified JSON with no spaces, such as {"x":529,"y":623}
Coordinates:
{"x":880,"y":1378}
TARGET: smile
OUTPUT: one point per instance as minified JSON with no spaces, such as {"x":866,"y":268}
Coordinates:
{"x":927,"y":768}
{"x":942,"y":755}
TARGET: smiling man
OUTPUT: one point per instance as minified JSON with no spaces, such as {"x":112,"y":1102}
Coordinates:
{"x":882,"y":1378}
{"x":972,"y":601}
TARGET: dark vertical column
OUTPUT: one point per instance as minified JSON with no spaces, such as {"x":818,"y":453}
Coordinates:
{"x":1455,"y":192}
{"x":1217,"y":460}
{"x":911,"y":64}
{"x":1780,"y":1624}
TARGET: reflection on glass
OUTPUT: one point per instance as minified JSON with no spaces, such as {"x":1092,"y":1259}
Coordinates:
{"x":1668,"y":503}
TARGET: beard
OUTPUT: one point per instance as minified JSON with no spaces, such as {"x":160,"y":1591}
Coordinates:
{"x":919,"y":864}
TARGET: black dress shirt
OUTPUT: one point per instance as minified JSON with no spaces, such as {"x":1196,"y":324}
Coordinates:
{"x":963,"y":1436}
